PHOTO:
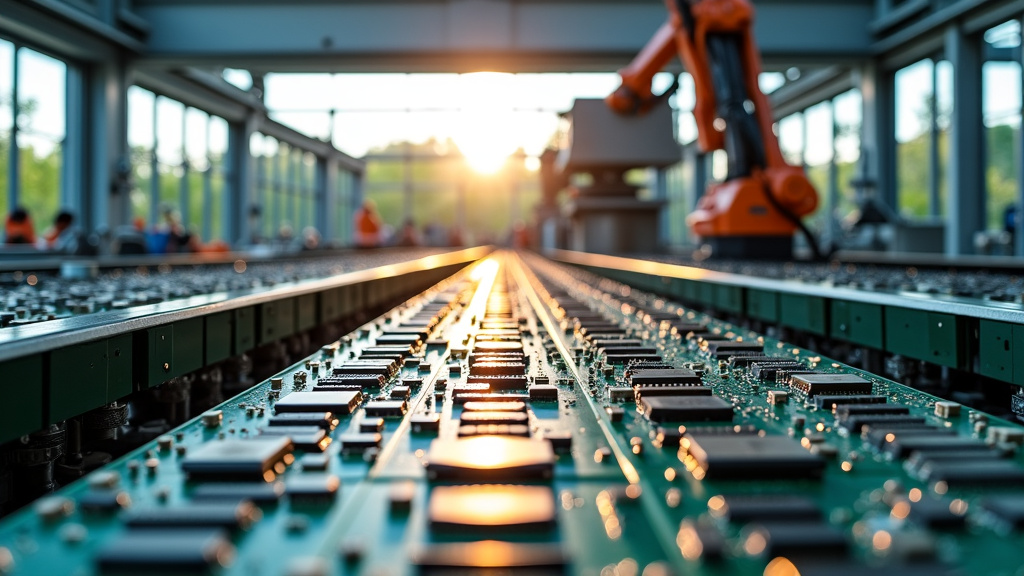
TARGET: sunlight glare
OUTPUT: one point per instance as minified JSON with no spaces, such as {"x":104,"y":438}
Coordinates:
{"x":486,"y":128}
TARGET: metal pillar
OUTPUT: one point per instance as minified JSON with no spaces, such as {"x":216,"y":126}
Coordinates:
{"x":239,"y":179}
{"x":878,"y":98}
{"x":659,"y":183}
{"x":184,"y":196}
{"x":74,"y":167}
{"x":1018,"y":235}
{"x":934,"y":170}
{"x":965,"y":202}
{"x":154,"y":167}
{"x":325,"y":198}
{"x":107,"y":203}
{"x":208,"y":189}
{"x":13,"y":163}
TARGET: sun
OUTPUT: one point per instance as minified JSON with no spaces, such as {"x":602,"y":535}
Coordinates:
{"x":485,"y":130}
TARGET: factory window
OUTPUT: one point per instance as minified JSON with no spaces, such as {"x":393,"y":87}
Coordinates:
{"x":819,"y":140}
{"x":32,"y":130}
{"x":849,"y":118}
{"x":177,"y":156}
{"x":923,"y":108}
{"x":1001,"y":82}
{"x":791,"y":138}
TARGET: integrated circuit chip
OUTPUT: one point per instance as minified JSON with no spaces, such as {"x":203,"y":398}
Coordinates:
{"x":336,"y":402}
{"x":483,"y":458}
{"x":814,"y":384}
{"x":252,"y":458}
{"x":488,"y":506}
{"x":686,"y":409}
{"x":183,"y":551}
{"x":748,"y":456}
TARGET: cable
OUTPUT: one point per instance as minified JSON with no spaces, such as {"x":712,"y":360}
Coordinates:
{"x":796,"y":221}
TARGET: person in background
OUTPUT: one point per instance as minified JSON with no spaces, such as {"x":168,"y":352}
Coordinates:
{"x":58,"y":233}
{"x":407,"y":235}
{"x":18,"y":229}
{"x":368,"y":227}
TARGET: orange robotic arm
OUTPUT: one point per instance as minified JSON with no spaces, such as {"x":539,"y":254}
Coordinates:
{"x":762,"y":197}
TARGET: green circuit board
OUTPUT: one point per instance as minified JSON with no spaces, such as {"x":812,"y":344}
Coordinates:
{"x":525,"y":417}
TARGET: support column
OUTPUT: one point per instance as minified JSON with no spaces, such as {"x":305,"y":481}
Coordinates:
{"x":106,"y":200}
{"x":878,"y":132}
{"x":965,"y":204}
{"x":1018,"y":233}
{"x":239,"y":179}
{"x":659,"y":185}
{"x":325,"y":199}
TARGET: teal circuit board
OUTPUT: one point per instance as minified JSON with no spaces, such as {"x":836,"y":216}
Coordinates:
{"x":524,"y":417}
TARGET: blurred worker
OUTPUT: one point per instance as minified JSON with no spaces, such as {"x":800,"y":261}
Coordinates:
{"x":18,"y":229}
{"x":310,"y":238}
{"x":368,"y":227}
{"x":59,"y":233}
{"x":520,"y":235}
{"x":407,"y":235}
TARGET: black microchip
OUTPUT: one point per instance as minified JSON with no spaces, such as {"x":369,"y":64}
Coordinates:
{"x":561,"y":440}
{"x":666,"y":437}
{"x":494,"y":430}
{"x":1006,"y":509}
{"x":789,"y":539}
{"x":400,"y":392}
{"x":722,"y":349}
{"x":104,"y":501}
{"x":902,"y":445}
{"x":491,"y":557}
{"x":856,"y":424}
{"x":488,"y":397}
{"x":251,"y":458}
{"x":829,"y":402}
{"x":336,"y":402}
{"x":846,"y":412}
{"x":543,"y":392}
{"x":312,"y":488}
{"x":371,"y":425}
{"x":817,"y":566}
{"x":425,"y":422}
{"x":359,"y":442}
{"x":356,"y":382}
{"x":814,"y":384}
{"x":652,"y":391}
{"x":476,"y":418}
{"x":671,"y":377}
{"x":496,"y":368}
{"x":325,"y":420}
{"x":744,"y":508}
{"x":749,"y":456}
{"x":610,"y":350}
{"x":933,"y":513}
{"x":878,"y":435}
{"x":229,"y":516}
{"x":386,"y":408}
{"x":262,"y":493}
{"x":183,"y":551}
{"x":397,"y":338}
{"x":626,"y":358}
{"x":973,"y":474}
{"x":314,"y":463}
{"x":498,"y":383}
{"x":687,"y":409}
{"x":307,"y":438}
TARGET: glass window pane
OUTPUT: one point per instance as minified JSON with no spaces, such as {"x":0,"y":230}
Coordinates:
{"x":1001,"y":109}
{"x":140,"y":117}
{"x":6,"y":120}
{"x":41,"y":82}
{"x":169,"y":118}
{"x":848,"y":110}
{"x":195,"y":138}
{"x":914,"y":94}
{"x":218,"y":138}
{"x":41,"y":121}
{"x":791,"y":138}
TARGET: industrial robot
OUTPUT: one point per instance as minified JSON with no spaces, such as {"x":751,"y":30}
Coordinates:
{"x":756,"y":210}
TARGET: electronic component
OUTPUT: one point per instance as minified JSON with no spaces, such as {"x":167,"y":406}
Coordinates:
{"x":262,"y":457}
{"x":814,"y":384}
{"x":386,"y":408}
{"x":744,"y":508}
{"x":686,"y":409}
{"x":237,"y":516}
{"x":257,"y":492}
{"x":485,"y":506}
{"x":489,"y":458}
{"x":799,"y":539}
{"x":145,"y":551}
{"x":336,"y":402}
{"x":748,"y":456}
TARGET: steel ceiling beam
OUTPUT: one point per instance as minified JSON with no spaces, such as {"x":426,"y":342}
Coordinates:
{"x":467,"y":35}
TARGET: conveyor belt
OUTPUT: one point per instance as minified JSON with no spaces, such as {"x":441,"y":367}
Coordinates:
{"x":62,"y":368}
{"x":885,"y":310}
{"x":509,"y":428}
